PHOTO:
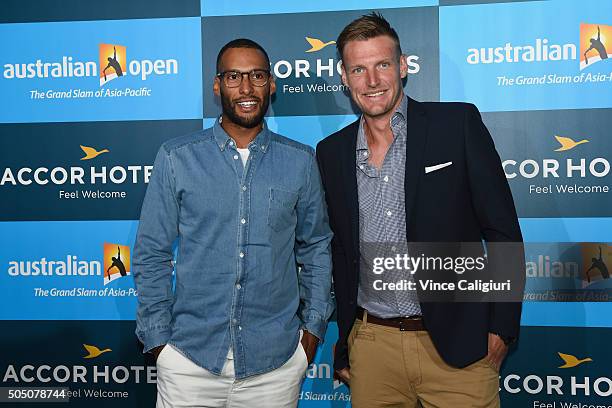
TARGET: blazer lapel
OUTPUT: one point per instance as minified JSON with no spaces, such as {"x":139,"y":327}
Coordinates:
{"x":415,"y":146}
{"x":349,"y":177}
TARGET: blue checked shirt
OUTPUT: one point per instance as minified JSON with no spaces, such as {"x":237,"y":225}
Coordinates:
{"x":241,"y":231}
{"x":382,"y":220}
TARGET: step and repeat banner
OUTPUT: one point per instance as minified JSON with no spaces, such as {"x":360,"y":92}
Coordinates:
{"x":91,"y":90}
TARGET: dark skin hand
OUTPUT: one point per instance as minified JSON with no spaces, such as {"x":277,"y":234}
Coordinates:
{"x":156,"y":350}
{"x":309,"y":342}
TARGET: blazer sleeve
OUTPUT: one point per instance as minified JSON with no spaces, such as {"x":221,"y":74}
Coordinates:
{"x":338,"y":269}
{"x":496,"y":214}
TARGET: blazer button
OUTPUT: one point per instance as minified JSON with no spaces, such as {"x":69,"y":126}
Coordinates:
{"x":354,"y":262}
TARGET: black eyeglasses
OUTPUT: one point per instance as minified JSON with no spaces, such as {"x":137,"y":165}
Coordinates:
{"x":233,"y":79}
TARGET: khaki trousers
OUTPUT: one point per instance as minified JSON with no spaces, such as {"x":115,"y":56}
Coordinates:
{"x":393,"y":368}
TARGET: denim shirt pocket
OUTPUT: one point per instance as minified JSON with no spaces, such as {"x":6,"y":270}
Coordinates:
{"x":281,"y":209}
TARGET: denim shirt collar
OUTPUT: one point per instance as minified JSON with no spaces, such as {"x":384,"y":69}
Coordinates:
{"x":222,"y":138}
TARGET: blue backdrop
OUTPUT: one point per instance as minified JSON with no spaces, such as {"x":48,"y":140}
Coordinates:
{"x":77,"y":146}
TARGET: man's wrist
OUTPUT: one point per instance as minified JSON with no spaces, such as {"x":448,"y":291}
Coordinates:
{"x":310,"y":335}
{"x":508,"y":340}
{"x":314,"y":327}
{"x":156,"y":350}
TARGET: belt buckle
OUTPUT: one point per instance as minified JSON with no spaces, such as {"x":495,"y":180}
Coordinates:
{"x":401,"y":325}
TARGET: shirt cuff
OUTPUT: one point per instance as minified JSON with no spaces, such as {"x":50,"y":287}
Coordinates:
{"x":154,"y":337}
{"x":316,"y":326}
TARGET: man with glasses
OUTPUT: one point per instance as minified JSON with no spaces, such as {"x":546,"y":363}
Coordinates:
{"x":245,"y":207}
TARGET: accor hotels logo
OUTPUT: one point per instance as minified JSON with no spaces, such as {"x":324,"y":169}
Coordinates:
{"x":571,"y":361}
{"x":321,"y":67}
{"x":553,"y":167}
{"x":595,"y":44}
{"x":562,"y":383}
{"x":98,"y":369}
{"x":316,"y":44}
{"x":94,"y":351}
{"x":113,"y":63}
{"x":567,"y":143}
{"x":77,"y":175}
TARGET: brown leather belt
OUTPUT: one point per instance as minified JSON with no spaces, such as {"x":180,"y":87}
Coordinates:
{"x":414,"y":323}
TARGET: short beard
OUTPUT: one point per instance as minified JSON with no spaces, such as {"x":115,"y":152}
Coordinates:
{"x":249,"y":122}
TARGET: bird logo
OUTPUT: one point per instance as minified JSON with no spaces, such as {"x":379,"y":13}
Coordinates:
{"x":572,"y":361}
{"x":91,"y":153}
{"x":93,"y":351}
{"x":316,"y":44}
{"x":567,"y":143}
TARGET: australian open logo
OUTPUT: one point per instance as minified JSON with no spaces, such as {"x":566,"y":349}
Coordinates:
{"x":595,"y":44}
{"x":113,"y":63}
{"x":569,"y":272}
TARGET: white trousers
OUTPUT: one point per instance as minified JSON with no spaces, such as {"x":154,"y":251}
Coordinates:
{"x":182,"y":383}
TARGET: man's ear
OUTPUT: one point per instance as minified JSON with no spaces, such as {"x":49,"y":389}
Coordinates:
{"x":272,"y":85}
{"x":217,"y":86}
{"x":403,"y":66}
{"x":343,"y":73}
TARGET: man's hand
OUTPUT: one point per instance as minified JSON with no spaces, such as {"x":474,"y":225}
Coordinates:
{"x":343,"y":375}
{"x":497,"y":350}
{"x":156,"y":351}
{"x":310,"y":343}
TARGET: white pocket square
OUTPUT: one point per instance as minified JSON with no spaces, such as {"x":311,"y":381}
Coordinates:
{"x":429,"y":169}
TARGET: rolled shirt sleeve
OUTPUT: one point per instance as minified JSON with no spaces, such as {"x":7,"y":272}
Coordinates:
{"x":313,"y":253}
{"x":152,"y":261}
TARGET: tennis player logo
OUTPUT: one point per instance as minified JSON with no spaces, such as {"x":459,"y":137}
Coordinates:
{"x":597,"y":260}
{"x":113,"y":62}
{"x":116,"y":262}
{"x":595,"y":44}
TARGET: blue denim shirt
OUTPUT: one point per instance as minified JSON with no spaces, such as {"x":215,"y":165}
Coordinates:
{"x":241,"y":231}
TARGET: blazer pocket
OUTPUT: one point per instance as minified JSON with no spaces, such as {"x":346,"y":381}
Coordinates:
{"x":436,"y":167}
{"x":281,"y":209}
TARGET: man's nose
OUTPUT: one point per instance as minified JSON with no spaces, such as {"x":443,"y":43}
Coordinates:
{"x":246,"y":87}
{"x":372,"y":78}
